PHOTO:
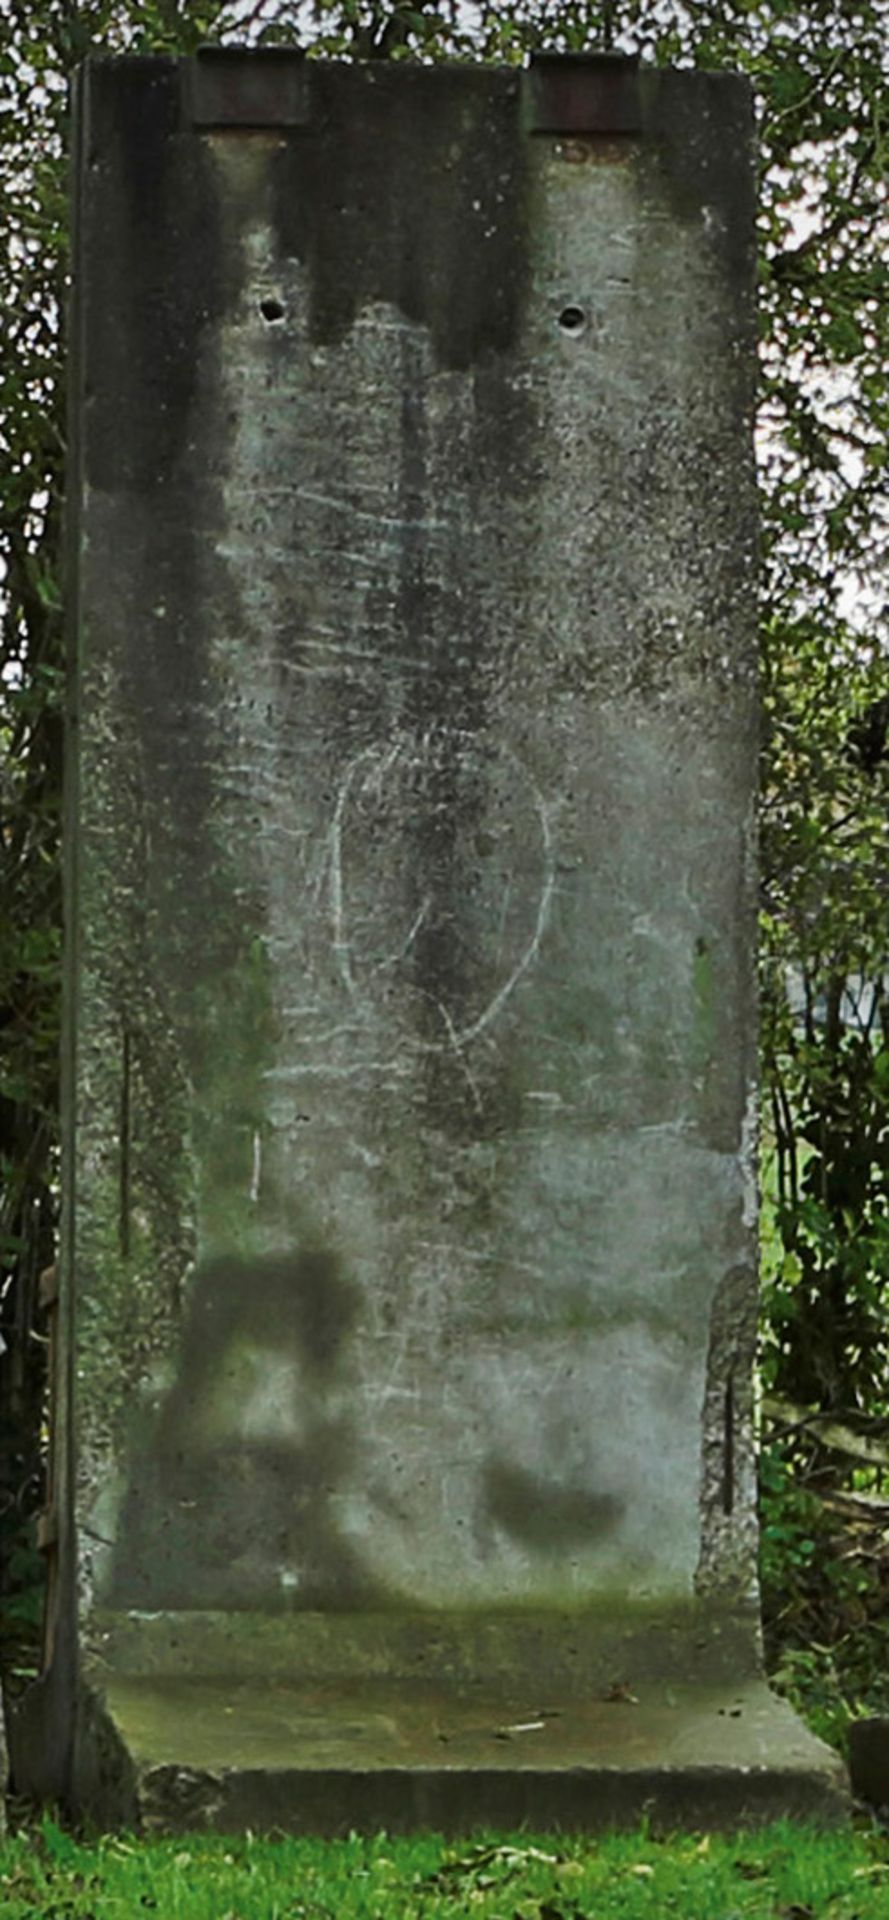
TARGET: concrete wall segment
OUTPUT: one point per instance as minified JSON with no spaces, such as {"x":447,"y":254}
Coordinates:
{"x":418,"y":696}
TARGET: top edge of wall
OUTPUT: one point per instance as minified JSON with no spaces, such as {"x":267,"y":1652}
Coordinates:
{"x":579,"y":93}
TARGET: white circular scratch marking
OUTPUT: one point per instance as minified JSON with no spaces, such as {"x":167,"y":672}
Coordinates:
{"x":457,"y":1038}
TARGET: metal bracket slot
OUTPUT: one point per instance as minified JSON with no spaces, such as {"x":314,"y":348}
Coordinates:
{"x":584,"y":93}
{"x":268,"y":87}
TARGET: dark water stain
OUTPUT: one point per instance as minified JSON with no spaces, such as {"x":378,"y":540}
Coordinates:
{"x":158,"y":276}
{"x":543,"y":1514}
{"x":412,"y":190}
{"x":297,"y":1303}
{"x":698,"y":149}
{"x":158,"y":273}
{"x":221,"y":1521}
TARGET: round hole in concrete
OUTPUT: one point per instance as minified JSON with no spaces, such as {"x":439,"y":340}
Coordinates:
{"x":271,"y":309}
{"x":572,"y":319}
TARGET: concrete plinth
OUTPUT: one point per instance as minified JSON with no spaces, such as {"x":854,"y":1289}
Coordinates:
{"x":407,"y":1301}
{"x":226,"y":1755}
{"x":325,"y":1724}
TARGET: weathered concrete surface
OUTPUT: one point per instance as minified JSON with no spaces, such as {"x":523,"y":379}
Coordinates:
{"x":574,"y":1721}
{"x":328,"y":1759}
{"x":416,"y":885}
{"x":411,"y":1197}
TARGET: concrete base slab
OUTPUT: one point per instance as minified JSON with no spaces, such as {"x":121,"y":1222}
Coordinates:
{"x":330,"y":1758}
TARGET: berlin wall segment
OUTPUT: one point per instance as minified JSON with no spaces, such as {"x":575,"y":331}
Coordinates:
{"x":403,"y":1399}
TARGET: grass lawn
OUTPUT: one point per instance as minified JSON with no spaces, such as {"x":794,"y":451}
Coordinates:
{"x":781,"y":1873}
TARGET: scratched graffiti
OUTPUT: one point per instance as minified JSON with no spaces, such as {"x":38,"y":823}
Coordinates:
{"x":440,"y":880}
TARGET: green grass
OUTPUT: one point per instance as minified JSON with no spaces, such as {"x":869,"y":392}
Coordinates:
{"x":785,"y":1872}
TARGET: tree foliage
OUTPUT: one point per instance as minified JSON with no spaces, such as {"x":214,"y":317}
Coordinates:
{"x":819,"y":73}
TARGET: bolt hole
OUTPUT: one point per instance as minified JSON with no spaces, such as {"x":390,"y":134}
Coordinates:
{"x":572,"y":319}
{"x":271,"y":310}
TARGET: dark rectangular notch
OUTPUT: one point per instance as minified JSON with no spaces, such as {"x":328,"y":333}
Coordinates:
{"x":229,"y":87}
{"x":584,"y":93}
